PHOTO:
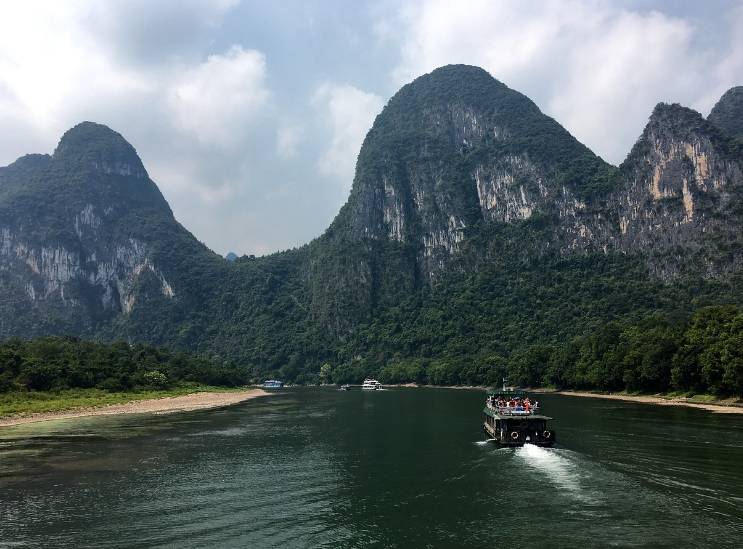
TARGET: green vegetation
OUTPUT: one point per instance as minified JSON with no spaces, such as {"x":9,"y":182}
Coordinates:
{"x":34,"y":402}
{"x":516,"y":299}
{"x":657,"y":353}
{"x":408,"y":132}
{"x":727,"y":114}
{"x":62,"y":363}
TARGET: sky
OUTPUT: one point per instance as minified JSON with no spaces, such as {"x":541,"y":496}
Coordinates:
{"x":249,"y":115}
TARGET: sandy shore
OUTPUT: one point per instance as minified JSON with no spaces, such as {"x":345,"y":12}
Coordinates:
{"x":194,"y":401}
{"x":730,"y":406}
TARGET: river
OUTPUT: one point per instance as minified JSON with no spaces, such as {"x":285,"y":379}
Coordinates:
{"x":402,"y":468}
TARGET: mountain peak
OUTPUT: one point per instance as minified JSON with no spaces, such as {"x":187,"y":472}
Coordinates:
{"x":727,"y":114}
{"x":675,"y":119}
{"x":29,"y":162}
{"x":96,"y":146}
{"x":460,"y":71}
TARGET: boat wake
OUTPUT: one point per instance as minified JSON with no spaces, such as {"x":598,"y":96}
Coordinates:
{"x":562,"y":471}
{"x":484,"y":442}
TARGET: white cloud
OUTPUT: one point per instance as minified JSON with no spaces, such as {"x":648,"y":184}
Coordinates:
{"x":48,"y":65}
{"x":217,"y":99}
{"x":196,"y":120}
{"x":146,"y":32}
{"x":350,"y":113}
{"x":596,"y":68}
{"x":288,"y":138}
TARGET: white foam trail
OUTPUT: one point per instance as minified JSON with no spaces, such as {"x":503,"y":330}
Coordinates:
{"x":560,"y":470}
{"x":484,"y":442}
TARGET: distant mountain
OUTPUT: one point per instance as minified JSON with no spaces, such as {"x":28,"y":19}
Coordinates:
{"x":727,"y":114}
{"x":457,"y":156}
{"x":87,"y":240}
{"x":477,"y":227}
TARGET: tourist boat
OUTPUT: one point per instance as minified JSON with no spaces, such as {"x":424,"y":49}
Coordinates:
{"x":273,"y":384}
{"x":512,"y":419}
{"x":371,"y":385}
{"x":345,"y":387}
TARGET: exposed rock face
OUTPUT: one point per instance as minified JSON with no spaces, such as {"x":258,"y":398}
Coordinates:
{"x":680,"y":182}
{"x":727,"y":114}
{"x":70,"y":247}
{"x":456,"y":152}
{"x":457,"y":148}
{"x":457,"y":170}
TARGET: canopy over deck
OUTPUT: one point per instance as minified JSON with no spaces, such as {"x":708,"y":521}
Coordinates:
{"x":506,"y":394}
{"x":516,"y":415}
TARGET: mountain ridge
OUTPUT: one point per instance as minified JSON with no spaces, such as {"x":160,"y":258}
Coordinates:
{"x":462,"y":187}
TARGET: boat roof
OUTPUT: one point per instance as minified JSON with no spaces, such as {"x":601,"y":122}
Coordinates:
{"x":495,"y":414}
{"x":511,"y":394}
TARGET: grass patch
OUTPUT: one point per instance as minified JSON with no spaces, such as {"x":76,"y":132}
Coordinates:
{"x":704,"y":399}
{"x":34,"y":402}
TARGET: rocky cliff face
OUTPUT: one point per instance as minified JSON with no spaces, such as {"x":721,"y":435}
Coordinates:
{"x":72,"y":253}
{"x":456,"y":149}
{"x":456,"y":154}
{"x":459,"y":177}
{"x":453,"y":152}
{"x":681,"y":185}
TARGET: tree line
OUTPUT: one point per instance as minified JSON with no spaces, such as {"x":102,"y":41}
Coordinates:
{"x":55,"y":363}
{"x":657,"y":353}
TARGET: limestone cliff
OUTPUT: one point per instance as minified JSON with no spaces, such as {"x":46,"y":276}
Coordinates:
{"x":465,"y":193}
{"x":457,"y":154}
{"x":681,"y":185}
{"x":81,"y":234}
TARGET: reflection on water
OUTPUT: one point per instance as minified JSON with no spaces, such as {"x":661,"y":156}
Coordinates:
{"x":322,"y":468}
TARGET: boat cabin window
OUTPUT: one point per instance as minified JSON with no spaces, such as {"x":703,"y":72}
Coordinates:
{"x":520,"y":425}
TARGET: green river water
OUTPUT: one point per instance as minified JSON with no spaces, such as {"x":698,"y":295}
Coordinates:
{"x":400,"y":468}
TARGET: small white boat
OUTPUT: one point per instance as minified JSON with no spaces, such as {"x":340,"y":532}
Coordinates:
{"x":371,"y":385}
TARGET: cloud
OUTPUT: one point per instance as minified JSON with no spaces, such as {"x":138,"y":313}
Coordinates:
{"x":288,"y":138}
{"x":199,"y":121}
{"x":143,"y":32}
{"x":350,"y":113}
{"x":596,"y":68}
{"x":217,"y":99}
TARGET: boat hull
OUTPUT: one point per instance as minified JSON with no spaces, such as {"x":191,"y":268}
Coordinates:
{"x":509,"y":442}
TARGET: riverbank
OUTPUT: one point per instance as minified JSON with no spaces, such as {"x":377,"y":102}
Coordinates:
{"x":723,"y":406}
{"x":702,"y":402}
{"x":66,"y":406}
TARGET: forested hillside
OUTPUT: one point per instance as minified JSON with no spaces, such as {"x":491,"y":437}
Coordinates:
{"x":479,"y":238}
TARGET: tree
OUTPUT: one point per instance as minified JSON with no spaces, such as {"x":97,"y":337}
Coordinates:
{"x":326,"y":373}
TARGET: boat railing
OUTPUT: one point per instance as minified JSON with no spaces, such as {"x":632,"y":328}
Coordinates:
{"x":517,"y":411}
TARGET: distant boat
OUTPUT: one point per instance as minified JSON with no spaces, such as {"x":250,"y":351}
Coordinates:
{"x":273,"y":384}
{"x":345,"y":387}
{"x":371,"y":385}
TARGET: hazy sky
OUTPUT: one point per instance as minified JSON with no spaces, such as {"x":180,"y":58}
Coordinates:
{"x":249,"y":115}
